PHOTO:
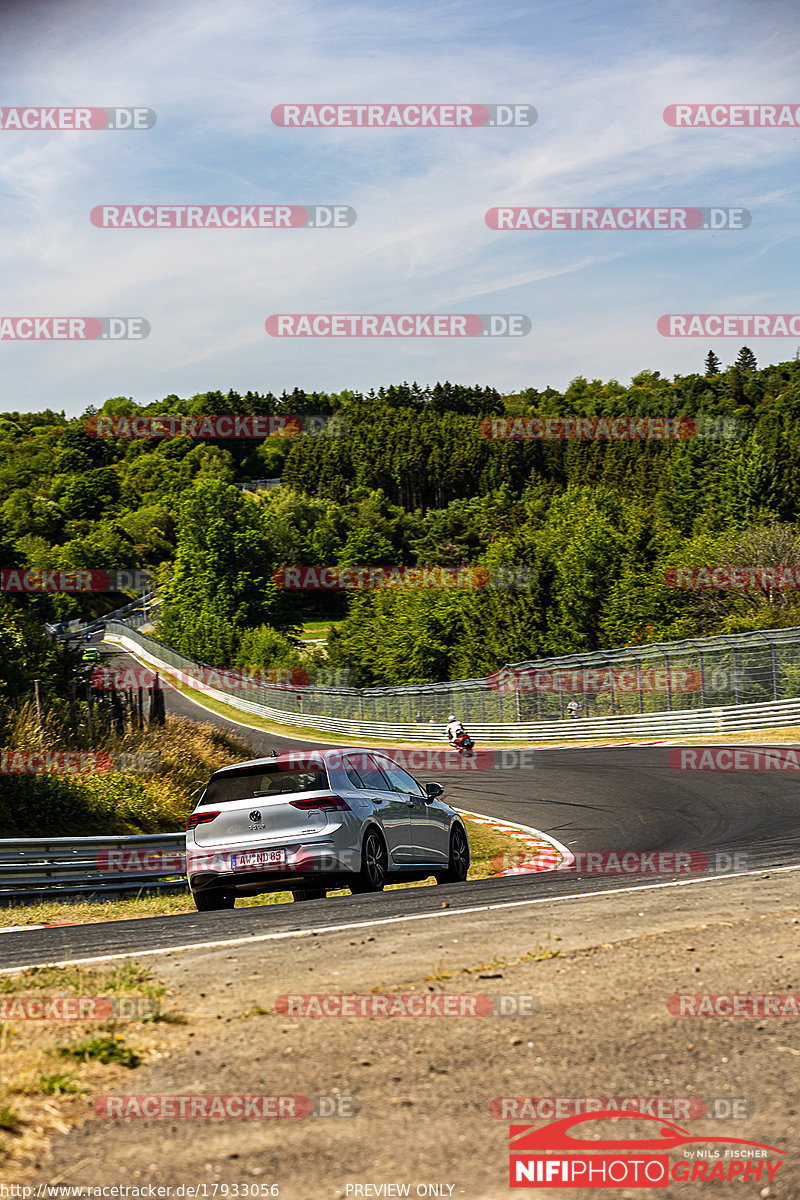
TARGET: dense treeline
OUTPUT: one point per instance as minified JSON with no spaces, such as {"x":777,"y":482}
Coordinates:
{"x":404,"y":476}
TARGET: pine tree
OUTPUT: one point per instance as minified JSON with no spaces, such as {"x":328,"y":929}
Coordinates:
{"x":735,"y":386}
{"x":746,"y":360}
{"x":712,"y":364}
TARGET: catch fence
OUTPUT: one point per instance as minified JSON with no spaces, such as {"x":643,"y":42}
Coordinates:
{"x":666,"y":678}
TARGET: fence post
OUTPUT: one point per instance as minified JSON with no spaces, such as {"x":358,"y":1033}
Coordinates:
{"x":156,"y":702}
{"x":611,"y":683}
{"x":73,"y":716}
{"x":736,"y":673}
{"x":669,"y":680}
{"x":90,"y":714}
{"x":37,"y":692}
{"x":116,"y":714}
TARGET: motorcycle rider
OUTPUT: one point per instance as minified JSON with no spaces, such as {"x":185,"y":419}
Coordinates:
{"x":456,"y":733}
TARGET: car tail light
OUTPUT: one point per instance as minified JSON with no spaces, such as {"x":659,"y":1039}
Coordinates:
{"x":200,"y":818}
{"x":325,"y":803}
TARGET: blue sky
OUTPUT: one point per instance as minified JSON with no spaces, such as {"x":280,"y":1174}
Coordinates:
{"x":599,"y":74}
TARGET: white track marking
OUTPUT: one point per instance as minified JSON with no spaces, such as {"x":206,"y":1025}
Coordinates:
{"x":376,"y":921}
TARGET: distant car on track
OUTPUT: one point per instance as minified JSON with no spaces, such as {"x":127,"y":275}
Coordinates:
{"x":312,"y":820}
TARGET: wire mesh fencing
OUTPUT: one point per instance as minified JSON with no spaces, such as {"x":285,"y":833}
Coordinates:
{"x":696,"y":673}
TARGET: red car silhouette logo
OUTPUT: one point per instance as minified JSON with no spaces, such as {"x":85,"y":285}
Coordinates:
{"x":527,"y":1139}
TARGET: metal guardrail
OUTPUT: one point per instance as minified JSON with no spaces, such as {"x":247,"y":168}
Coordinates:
{"x":137,"y":612}
{"x":32,"y":868}
{"x":690,"y":722}
{"x":259,"y":485}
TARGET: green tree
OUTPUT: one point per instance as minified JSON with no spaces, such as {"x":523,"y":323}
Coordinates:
{"x":222,"y":582}
{"x":712,"y":364}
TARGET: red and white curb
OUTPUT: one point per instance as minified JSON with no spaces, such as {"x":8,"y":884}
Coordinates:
{"x":547,"y":854}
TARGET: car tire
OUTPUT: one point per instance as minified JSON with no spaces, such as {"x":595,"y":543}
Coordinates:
{"x":299,"y":894}
{"x":458,"y":862}
{"x":212,"y":899}
{"x":374,"y":865}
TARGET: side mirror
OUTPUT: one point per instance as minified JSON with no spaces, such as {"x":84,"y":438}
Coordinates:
{"x":434,"y":790}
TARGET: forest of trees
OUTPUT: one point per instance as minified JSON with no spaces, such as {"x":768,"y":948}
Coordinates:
{"x":405,"y":476}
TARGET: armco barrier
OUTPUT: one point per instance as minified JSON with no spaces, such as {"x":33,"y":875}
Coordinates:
{"x":693,"y":722}
{"x":40,"y":867}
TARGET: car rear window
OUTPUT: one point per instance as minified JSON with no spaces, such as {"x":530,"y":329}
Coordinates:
{"x":367,"y":775}
{"x":266,"y":782}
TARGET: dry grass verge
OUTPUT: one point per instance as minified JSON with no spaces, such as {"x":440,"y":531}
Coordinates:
{"x":51,"y":1069}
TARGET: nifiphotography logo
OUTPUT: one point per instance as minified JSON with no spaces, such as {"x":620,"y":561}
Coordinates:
{"x":552,"y":1157}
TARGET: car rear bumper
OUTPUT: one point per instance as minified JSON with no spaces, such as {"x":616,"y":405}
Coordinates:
{"x":306,"y":865}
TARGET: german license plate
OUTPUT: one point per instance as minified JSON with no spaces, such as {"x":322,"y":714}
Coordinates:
{"x":258,"y":858}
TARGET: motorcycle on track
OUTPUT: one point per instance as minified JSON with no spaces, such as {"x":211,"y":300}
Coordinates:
{"x":459,"y":738}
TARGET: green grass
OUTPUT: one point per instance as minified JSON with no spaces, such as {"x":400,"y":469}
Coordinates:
{"x":8,"y":1119}
{"x":103,"y":1050}
{"x":57,"y":1085}
{"x":129,"y":976}
{"x":317,"y":629}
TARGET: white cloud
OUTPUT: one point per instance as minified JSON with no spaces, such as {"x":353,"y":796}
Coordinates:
{"x":213,"y":73}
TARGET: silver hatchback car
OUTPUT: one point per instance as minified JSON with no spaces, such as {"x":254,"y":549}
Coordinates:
{"x":309,"y":821}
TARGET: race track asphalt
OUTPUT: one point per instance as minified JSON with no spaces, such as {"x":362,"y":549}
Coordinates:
{"x":599,"y":799}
